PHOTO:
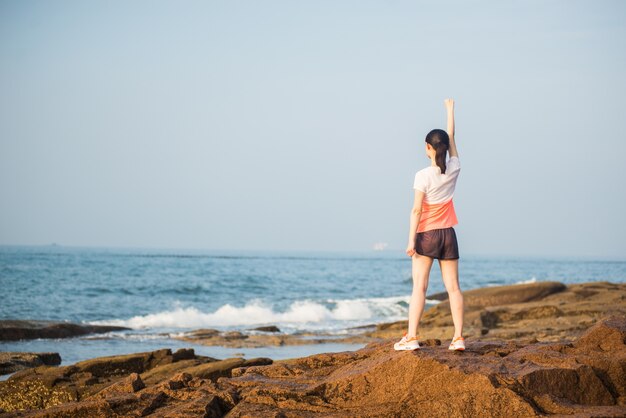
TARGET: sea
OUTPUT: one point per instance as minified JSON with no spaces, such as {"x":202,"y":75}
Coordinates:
{"x":161,"y":294}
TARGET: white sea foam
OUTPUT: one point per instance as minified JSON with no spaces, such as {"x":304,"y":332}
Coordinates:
{"x":256,"y":312}
{"x":531,"y":280}
{"x":125,"y":335}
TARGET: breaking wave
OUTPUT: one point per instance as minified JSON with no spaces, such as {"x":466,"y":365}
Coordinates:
{"x":256,"y":312}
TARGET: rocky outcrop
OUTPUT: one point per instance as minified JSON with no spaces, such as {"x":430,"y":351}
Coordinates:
{"x":585,"y":377}
{"x":12,"y":362}
{"x":541,"y":311}
{"x":128,"y":384}
{"x":506,"y":294}
{"x":498,"y":378}
{"x":245,"y":339}
{"x":13,"y":330}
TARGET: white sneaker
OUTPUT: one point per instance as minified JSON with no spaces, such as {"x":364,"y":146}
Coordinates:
{"x":457,"y":344}
{"x":406,"y":343}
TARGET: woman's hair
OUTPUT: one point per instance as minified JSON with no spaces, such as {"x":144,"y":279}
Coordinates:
{"x":440,"y":141}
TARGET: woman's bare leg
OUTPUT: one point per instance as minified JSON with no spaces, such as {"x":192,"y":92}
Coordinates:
{"x":421,"y":265}
{"x":450,"y":275}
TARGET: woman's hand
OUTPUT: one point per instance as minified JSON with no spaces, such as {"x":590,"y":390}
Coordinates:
{"x":449,"y":104}
{"x":410,"y":249}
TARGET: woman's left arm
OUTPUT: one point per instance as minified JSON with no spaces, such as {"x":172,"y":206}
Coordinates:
{"x":416,"y":213}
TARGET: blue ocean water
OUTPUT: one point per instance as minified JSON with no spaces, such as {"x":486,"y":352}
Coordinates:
{"x":158,"y":293}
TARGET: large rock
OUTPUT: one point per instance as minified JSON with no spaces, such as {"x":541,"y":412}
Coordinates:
{"x":125,"y":364}
{"x":43,"y":387}
{"x":505,"y":294}
{"x":11,"y":362}
{"x":608,"y":335}
{"x":135,"y":384}
{"x":238,"y":339}
{"x":496,"y":379}
{"x":221,"y":368}
{"x":541,"y":311}
{"x":13,"y":330}
{"x":130,"y":384}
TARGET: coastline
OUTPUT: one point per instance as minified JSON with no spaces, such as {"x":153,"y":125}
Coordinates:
{"x":542,"y":347}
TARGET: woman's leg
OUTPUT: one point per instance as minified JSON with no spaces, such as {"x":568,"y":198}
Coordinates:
{"x":421,"y":265}
{"x":450,"y":275}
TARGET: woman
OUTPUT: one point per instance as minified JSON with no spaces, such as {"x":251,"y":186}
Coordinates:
{"x":431,"y":234}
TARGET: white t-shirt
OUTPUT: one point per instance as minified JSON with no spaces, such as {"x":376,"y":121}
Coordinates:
{"x":438,"y":187}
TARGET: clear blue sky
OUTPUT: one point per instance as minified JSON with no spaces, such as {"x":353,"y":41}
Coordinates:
{"x":300,"y":125}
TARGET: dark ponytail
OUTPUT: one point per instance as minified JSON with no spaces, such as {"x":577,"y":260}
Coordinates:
{"x":440,"y":141}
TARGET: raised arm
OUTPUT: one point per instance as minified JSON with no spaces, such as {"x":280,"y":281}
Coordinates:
{"x":450,"y":109}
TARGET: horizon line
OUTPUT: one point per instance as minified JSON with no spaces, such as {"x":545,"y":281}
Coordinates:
{"x":386,"y":251}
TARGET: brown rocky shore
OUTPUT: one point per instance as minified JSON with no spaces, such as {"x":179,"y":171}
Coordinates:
{"x":532,"y":350}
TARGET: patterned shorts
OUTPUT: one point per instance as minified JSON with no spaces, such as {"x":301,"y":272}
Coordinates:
{"x":437,"y":243}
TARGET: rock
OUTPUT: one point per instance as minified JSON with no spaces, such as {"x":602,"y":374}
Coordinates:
{"x":183,"y":354}
{"x":548,"y":311}
{"x":163,"y":372}
{"x":216,"y":369}
{"x":374,"y":381}
{"x":45,"y":386}
{"x":586,"y":377}
{"x":506,"y":295}
{"x":269,"y":328}
{"x":12,"y":362}
{"x":260,"y":361}
{"x":149,"y":402}
{"x":234,"y":335}
{"x":13,"y":330}
{"x":125,"y":392}
{"x":179,"y":381}
{"x":210,"y":406}
{"x":430,"y":342}
{"x":125,"y":364}
{"x":607,"y":335}
{"x":32,"y":393}
{"x":489,"y":319}
{"x":130,"y":384}
{"x":237,"y":339}
{"x":438,"y":296}
{"x":203,"y":333}
{"x":86,"y":409}
{"x":577,"y":385}
{"x":495,"y":379}
{"x":362,"y":327}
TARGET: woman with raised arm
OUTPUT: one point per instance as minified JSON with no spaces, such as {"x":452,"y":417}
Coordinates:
{"x":431,"y":232}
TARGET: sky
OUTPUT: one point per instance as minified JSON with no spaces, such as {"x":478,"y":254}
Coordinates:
{"x":299,"y":125}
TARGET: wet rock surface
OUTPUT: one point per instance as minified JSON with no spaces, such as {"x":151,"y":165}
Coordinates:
{"x":13,"y":330}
